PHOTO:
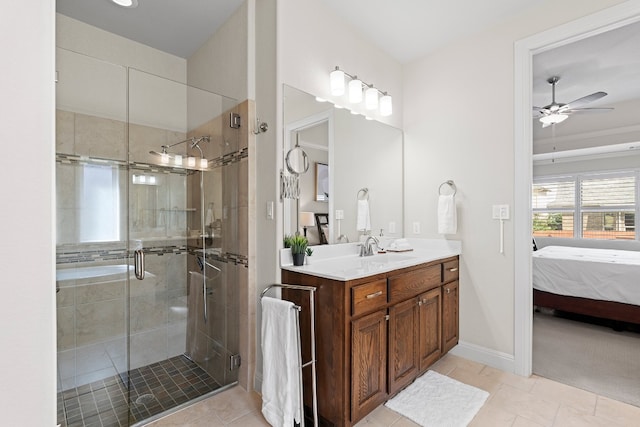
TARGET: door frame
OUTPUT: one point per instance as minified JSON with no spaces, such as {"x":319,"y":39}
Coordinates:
{"x":599,"y":22}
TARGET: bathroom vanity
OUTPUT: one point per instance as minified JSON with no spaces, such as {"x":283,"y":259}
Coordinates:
{"x":379,"y":325}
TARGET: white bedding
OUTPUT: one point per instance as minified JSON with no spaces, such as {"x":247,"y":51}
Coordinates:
{"x":601,"y":274}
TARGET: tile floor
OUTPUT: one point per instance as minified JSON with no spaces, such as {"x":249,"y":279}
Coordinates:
{"x":514,"y":401}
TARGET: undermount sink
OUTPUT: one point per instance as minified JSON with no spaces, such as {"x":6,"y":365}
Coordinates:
{"x":357,"y":265}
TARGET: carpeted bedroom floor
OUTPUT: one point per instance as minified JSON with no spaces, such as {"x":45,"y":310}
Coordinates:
{"x":591,"y":357}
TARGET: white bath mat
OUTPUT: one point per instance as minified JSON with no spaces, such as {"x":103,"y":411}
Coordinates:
{"x":434,"y":400}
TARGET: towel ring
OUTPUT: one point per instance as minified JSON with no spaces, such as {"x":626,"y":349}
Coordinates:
{"x":451,"y":184}
{"x":365,"y":195}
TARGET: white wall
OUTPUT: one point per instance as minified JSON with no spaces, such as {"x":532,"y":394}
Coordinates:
{"x":220,"y":64}
{"x":89,"y":40}
{"x":27,"y":251}
{"x":449,"y":135}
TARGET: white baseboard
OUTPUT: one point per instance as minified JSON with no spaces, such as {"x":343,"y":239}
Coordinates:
{"x":486,"y":356}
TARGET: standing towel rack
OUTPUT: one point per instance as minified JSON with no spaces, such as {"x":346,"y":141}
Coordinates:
{"x":365,"y":194}
{"x":451,"y":184}
{"x":312,"y":362}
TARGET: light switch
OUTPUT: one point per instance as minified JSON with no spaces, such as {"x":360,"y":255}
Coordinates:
{"x":339,"y":214}
{"x":270,"y":210}
{"x":500,"y":212}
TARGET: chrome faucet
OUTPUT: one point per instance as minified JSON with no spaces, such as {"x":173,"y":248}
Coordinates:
{"x":366,"y":249}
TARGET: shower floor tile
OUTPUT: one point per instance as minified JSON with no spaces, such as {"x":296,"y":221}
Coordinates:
{"x":133,"y":396}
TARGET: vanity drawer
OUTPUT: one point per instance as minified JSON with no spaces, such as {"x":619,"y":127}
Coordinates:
{"x":450,"y":271}
{"x":410,"y":284}
{"x":368,"y":297}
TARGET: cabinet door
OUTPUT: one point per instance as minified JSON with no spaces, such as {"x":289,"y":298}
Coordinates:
{"x":449,"y":315}
{"x":403,"y":344}
{"x":368,"y":363}
{"x":430,"y":338}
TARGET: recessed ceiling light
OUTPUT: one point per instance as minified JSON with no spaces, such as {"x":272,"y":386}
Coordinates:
{"x":126,"y":3}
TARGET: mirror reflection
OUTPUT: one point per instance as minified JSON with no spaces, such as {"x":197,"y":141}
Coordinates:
{"x":346,"y":153}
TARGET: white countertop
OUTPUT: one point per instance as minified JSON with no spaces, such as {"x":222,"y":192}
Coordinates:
{"x":342,"y":262}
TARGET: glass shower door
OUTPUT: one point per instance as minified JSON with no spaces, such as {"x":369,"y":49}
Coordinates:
{"x":182,"y":331}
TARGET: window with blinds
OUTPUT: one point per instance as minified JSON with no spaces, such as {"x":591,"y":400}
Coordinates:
{"x":554,"y":207}
{"x":590,"y":206}
{"x":607,"y":207}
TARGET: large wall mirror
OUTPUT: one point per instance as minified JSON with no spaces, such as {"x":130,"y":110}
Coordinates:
{"x":346,"y":153}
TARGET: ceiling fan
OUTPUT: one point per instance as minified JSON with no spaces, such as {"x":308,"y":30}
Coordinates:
{"x":557,"y":112}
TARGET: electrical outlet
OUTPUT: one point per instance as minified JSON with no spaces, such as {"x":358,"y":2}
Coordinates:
{"x":392,"y":227}
{"x":416,"y":227}
{"x":339,"y":214}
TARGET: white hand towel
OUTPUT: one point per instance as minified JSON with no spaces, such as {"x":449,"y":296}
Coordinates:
{"x":363,"y":222}
{"x":281,"y":363}
{"x":447,"y":220}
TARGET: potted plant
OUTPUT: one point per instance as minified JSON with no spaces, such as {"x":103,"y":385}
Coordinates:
{"x":298,"y":245}
{"x":309,"y":252}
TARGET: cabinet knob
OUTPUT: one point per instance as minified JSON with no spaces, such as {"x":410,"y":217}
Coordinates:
{"x":419,"y":302}
{"x":448,"y":290}
{"x":453,"y":269}
{"x":373,"y":295}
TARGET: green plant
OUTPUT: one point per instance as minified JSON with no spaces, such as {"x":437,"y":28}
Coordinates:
{"x":309,"y":251}
{"x":297,"y":243}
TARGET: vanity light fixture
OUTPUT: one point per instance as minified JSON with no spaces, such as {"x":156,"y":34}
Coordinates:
{"x":179,"y":160}
{"x":374,"y":98}
{"x":355,"y":91}
{"x":126,"y":3}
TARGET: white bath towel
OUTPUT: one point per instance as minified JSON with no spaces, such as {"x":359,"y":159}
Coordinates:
{"x":363,"y":222}
{"x":447,"y":220}
{"x":281,"y":363}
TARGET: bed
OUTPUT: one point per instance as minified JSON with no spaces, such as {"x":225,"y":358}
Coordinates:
{"x":595,"y":282}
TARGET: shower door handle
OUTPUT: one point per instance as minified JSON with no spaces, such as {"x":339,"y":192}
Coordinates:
{"x":138,"y":258}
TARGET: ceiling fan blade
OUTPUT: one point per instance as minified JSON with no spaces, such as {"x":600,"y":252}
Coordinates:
{"x":587,"y":110}
{"x":583,"y":101}
{"x":540,"y":111}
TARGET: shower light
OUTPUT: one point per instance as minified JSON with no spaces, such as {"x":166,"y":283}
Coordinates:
{"x":191,"y":162}
{"x":204,"y":163}
{"x":177,"y":160}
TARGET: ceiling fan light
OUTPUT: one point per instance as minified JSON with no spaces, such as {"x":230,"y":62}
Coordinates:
{"x":553,"y":119}
{"x":337,"y":82}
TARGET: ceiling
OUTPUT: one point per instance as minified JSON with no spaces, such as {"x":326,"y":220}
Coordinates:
{"x":178,"y":27}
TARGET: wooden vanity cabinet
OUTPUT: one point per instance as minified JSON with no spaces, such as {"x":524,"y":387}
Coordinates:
{"x":375,"y":335}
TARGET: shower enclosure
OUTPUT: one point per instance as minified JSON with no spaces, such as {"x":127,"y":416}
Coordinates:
{"x":148,"y":174}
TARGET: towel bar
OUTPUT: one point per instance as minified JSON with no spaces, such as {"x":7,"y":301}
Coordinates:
{"x":312,"y":362}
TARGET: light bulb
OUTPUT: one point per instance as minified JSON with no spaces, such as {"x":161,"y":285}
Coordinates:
{"x":191,"y":162}
{"x":177,"y":160}
{"x":355,"y":91}
{"x":371,"y":98}
{"x":337,"y":82}
{"x":386,"y":105}
{"x":164,"y":158}
{"x":204,"y":163}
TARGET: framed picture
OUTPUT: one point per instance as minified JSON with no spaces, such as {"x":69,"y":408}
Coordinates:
{"x":322,"y":182}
